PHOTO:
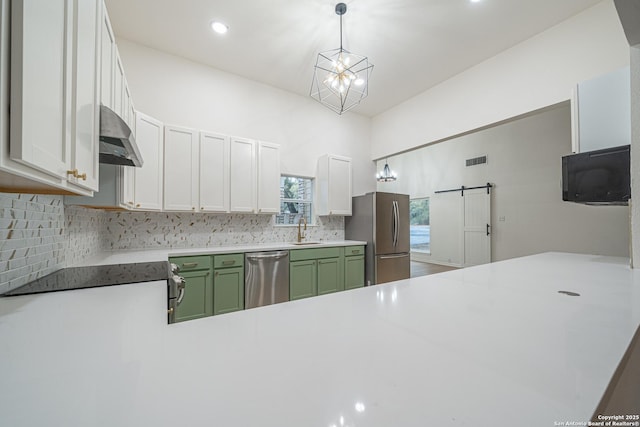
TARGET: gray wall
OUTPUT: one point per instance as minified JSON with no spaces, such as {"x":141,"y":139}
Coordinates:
{"x":524,"y":163}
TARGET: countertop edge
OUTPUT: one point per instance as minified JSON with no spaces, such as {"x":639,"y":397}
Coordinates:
{"x":150,"y":255}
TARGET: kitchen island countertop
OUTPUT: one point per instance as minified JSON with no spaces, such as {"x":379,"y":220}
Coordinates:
{"x":494,"y":345}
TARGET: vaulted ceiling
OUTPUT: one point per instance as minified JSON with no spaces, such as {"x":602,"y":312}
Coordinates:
{"x":413,"y":44}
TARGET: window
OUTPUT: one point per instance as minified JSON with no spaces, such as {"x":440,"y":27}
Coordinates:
{"x":420,"y":234}
{"x":296,"y":200}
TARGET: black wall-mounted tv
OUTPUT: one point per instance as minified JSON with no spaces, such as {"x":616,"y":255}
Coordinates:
{"x":600,"y":177}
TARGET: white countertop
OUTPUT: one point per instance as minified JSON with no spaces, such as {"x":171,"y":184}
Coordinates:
{"x":151,"y":255}
{"x":494,"y":345}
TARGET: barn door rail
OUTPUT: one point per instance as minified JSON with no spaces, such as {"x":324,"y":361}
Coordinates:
{"x":488,"y":186}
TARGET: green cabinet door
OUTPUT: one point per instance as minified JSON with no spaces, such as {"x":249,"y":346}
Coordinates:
{"x":198,"y":296}
{"x":353,"y":272}
{"x":330,"y":275}
{"x":228,"y":290}
{"x":302,"y":279}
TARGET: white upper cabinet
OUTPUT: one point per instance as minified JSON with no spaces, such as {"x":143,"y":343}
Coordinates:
{"x":107,"y":60}
{"x":41,"y":61}
{"x":53,"y":122}
{"x":126,"y":186}
{"x":254,"y":177}
{"x":268,"y":178}
{"x":118,"y":85}
{"x":214,"y":172}
{"x":5,"y":37}
{"x":242,"y":176}
{"x":85,"y":110}
{"x":148,"y":178}
{"x":127,"y":105}
{"x":180,"y":169}
{"x":333,"y":186}
{"x":603,"y":112}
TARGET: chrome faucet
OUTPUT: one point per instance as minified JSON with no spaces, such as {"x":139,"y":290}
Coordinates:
{"x":301,"y":235}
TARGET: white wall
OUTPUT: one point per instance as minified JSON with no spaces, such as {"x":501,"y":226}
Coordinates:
{"x":635,"y":153}
{"x":524,"y":164}
{"x":536,"y":73}
{"x":629,"y":12}
{"x":180,"y":92}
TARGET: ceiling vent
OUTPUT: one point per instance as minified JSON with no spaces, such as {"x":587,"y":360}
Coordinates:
{"x":477,"y":161}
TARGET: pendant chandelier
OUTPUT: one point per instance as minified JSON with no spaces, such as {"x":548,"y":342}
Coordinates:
{"x":386,"y":175}
{"x":340,"y":78}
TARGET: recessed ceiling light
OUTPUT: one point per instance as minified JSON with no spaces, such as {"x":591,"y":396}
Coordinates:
{"x":219,"y":27}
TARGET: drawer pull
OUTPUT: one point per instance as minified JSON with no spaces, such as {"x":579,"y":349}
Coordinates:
{"x":228,"y":262}
{"x":357,"y":251}
{"x":189,"y":264}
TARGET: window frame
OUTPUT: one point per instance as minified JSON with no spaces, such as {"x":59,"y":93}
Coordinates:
{"x":411,"y":250}
{"x":310,"y":202}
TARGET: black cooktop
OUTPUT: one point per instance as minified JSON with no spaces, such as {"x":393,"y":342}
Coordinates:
{"x":95,"y":276}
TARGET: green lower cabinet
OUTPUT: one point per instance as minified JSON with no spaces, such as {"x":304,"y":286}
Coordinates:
{"x":198,"y":296}
{"x":330,"y":275}
{"x":354,"y":272}
{"x":302,"y":279}
{"x":228,"y":290}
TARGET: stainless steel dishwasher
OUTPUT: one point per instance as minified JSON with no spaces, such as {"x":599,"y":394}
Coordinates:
{"x":266,"y":278}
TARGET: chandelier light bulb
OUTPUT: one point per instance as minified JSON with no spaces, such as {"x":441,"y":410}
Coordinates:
{"x":219,"y":27}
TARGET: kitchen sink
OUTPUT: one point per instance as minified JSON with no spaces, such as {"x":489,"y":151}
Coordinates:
{"x":305,"y":243}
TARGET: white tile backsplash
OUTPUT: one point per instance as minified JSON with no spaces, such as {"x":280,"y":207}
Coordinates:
{"x":140,"y":230}
{"x":32,"y":239}
{"x":85,"y":232}
{"x":39,"y":235}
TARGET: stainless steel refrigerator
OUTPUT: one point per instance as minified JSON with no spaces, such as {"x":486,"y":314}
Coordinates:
{"x":382,"y":220}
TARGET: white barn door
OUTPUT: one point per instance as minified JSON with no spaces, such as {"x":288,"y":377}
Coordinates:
{"x":477,"y":227}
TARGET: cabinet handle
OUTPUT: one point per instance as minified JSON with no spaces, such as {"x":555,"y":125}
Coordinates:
{"x":193,"y":208}
{"x":130,"y":203}
{"x":75,"y":174}
{"x":228,"y":262}
{"x":138,"y":205}
{"x":170,"y":310}
{"x":189,"y":264}
{"x":201,"y":208}
{"x":356,"y":251}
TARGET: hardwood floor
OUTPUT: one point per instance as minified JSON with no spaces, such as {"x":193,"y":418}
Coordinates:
{"x":424,"y":268}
